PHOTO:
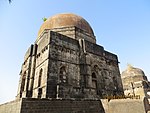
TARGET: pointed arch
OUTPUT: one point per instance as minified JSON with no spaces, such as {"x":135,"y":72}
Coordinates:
{"x":23,"y":81}
{"x":39,"y":83}
{"x":94,"y":76}
{"x":94,"y":80}
{"x":40,"y":77}
{"x":62,"y":75}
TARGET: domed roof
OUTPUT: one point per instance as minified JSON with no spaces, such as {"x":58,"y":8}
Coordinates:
{"x":132,"y":71}
{"x":66,"y":20}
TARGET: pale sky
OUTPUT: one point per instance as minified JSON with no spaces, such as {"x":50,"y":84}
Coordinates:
{"x":120,"y":26}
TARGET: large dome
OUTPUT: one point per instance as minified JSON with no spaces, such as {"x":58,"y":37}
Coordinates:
{"x":66,"y":20}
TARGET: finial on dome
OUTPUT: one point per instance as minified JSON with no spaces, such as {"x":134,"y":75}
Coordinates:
{"x":129,"y":67}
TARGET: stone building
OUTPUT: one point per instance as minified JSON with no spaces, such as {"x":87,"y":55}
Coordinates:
{"x":135,"y":82}
{"x":65,"y":71}
{"x":66,"y":62}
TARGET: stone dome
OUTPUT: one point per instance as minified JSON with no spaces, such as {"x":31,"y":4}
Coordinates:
{"x":66,"y":20}
{"x":132,"y":71}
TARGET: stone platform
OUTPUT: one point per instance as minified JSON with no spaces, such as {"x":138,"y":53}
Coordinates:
{"x":34,"y":105}
{"x":31,"y":105}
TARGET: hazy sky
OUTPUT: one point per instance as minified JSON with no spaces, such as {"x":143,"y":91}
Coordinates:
{"x":120,"y":26}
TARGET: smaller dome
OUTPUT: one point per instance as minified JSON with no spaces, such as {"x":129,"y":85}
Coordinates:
{"x":132,"y":71}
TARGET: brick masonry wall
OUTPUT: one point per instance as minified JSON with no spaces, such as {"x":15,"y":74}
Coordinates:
{"x":11,"y":107}
{"x":32,"y":105}
{"x":126,"y":105}
{"x":59,"y":106}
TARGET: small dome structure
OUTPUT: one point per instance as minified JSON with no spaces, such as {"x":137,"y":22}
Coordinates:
{"x":135,"y":82}
{"x":66,"y":20}
{"x":132,"y":71}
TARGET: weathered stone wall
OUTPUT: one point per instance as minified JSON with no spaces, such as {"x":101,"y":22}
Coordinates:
{"x":105,"y":65}
{"x":33,"y":105}
{"x":25,"y":74}
{"x":80,"y":34}
{"x":75,"y":33}
{"x":93,"y":48}
{"x":41,"y":67}
{"x":61,"y":106}
{"x":126,"y":105}
{"x":11,"y":107}
{"x":67,"y":31}
{"x":28,"y":52}
{"x":64,"y":53}
{"x":63,"y":67}
{"x":79,"y":59}
{"x":108,"y":77}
